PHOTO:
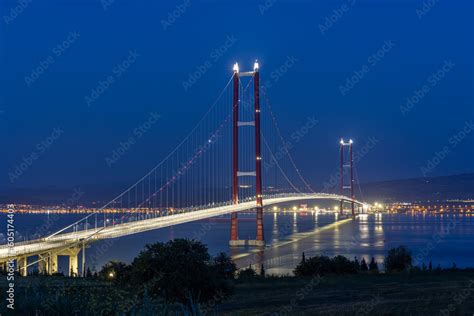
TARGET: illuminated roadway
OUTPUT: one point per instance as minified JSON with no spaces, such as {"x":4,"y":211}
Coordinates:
{"x":66,"y":240}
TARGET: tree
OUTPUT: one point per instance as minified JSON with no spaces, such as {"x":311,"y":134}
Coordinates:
{"x":303,"y":259}
{"x":398,"y":259}
{"x":88,"y":273}
{"x":181,"y":271}
{"x":224,"y":266}
{"x":342,"y":265}
{"x":357,"y":263}
{"x":115,"y":271}
{"x":430,"y":266}
{"x":363,"y":265}
{"x":317,"y":265}
{"x":373,"y":266}
{"x":262,"y":271}
{"x":247,"y":273}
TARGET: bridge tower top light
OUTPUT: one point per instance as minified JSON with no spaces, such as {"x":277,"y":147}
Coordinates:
{"x":343,"y":143}
{"x":253,"y":72}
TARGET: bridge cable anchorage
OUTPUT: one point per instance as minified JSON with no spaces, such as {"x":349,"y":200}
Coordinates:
{"x":284,"y":143}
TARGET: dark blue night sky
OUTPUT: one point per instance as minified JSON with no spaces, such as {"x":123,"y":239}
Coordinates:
{"x":398,"y":71}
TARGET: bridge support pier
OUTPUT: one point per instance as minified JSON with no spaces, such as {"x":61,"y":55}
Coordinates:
{"x":73,"y":262}
{"x":53,"y":263}
{"x":43,"y":264}
{"x":21,"y":263}
{"x":83,"y":266}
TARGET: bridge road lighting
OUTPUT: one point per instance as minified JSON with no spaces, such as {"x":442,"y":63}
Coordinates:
{"x":48,"y":247}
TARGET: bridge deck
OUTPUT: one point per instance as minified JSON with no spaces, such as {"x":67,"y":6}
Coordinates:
{"x":66,"y":240}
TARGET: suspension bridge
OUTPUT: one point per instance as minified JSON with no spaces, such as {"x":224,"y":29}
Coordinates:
{"x":215,"y":170}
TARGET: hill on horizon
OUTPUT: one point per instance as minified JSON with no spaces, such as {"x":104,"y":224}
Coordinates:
{"x":459,"y":186}
{"x":404,"y":190}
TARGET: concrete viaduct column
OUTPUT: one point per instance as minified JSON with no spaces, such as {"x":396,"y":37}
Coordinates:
{"x":43,"y":264}
{"x":73,"y":262}
{"x":53,"y":263}
{"x":21,"y":262}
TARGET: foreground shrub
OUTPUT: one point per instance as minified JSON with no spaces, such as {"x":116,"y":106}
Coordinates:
{"x":224,"y":266}
{"x":247,"y":273}
{"x":115,"y":271}
{"x":342,"y":265}
{"x":373,"y":266}
{"x":321,"y":265}
{"x":398,"y":259}
{"x":181,"y":271}
{"x":317,"y":265}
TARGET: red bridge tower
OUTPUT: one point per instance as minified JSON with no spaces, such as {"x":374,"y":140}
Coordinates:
{"x":345,"y":165}
{"x":234,"y":240}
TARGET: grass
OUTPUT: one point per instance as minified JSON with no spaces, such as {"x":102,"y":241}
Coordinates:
{"x":403,"y":294}
{"x":427,"y":293}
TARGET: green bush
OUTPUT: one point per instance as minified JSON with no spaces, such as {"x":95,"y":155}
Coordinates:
{"x":398,"y":259}
{"x":247,"y":273}
{"x":115,"y":271}
{"x":181,"y":271}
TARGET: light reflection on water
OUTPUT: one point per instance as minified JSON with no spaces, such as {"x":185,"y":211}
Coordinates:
{"x":290,"y":234}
